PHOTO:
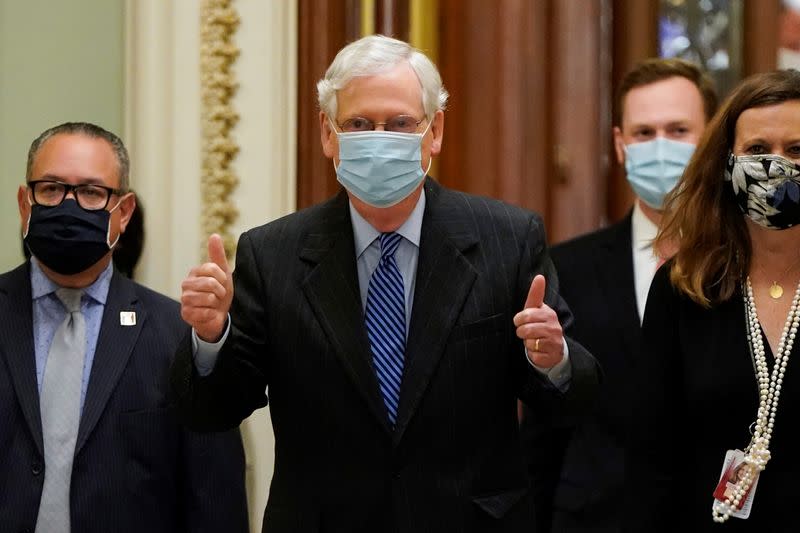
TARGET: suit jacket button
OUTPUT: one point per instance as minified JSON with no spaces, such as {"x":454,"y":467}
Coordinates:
{"x":36,"y":468}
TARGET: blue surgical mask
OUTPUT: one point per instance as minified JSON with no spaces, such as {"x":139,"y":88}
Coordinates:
{"x":654,"y":167}
{"x":381,"y":168}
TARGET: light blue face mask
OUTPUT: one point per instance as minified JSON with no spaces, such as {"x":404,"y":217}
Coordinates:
{"x":654,"y":167}
{"x":381,"y":168}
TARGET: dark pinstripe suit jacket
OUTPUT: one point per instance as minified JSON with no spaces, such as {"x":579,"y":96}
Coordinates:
{"x":453,"y":462}
{"x":136,"y":468}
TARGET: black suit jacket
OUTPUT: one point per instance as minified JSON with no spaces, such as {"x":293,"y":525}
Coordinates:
{"x":136,"y":468}
{"x":453,"y":462}
{"x":596,"y":278}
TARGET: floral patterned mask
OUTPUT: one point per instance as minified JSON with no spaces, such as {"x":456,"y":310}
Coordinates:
{"x":767,"y":189}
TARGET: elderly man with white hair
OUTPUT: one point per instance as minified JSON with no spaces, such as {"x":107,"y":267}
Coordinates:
{"x":392,"y":328}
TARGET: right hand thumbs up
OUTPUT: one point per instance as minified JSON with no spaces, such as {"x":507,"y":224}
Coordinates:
{"x":207,"y":292}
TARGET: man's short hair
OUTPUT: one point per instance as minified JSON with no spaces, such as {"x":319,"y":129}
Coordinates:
{"x":92,"y":131}
{"x":656,"y":69}
{"x":373,"y":55}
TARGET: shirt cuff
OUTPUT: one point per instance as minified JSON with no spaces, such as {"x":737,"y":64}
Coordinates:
{"x":560,"y":374}
{"x":205,"y":353}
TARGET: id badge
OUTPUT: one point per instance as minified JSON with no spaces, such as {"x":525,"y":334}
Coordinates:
{"x":731,"y":470}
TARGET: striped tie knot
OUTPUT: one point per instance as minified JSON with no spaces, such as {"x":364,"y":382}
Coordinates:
{"x":389,"y":243}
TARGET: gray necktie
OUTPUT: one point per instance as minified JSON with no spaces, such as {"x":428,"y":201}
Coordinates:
{"x":60,"y":405}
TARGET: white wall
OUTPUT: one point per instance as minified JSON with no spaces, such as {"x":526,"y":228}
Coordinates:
{"x":162,"y":130}
{"x":59,"y":62}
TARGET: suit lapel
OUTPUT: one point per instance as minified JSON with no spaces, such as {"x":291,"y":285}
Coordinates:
{"x":615,"y":269}
{"x":444,"y":279}
{"x":114,"y":347}
{"x":332,"y":291}
{"x":17,"y":344}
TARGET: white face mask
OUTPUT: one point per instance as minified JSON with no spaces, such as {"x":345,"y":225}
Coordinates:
{"x":381,"y":168}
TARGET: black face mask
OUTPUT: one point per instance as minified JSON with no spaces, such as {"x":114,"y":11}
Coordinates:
{"x":66,"y":238}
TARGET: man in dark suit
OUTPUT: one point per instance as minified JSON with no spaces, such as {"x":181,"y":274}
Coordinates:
{"x":89,"y":441}
{"x":394,"y":325}
{"x":662,"y":108}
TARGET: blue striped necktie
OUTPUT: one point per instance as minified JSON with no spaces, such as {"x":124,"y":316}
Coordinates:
{"x":386,"y":323}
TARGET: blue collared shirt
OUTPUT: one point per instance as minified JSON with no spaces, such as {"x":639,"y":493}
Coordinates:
{"x":368,"y":252}
{"x":49,"y":313}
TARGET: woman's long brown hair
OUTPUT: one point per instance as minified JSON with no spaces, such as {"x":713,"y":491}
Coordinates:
{"x":701,"y":214}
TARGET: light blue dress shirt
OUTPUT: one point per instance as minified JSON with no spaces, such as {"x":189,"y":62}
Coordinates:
{"x":368,"y":252}
{"x":49,"y":313}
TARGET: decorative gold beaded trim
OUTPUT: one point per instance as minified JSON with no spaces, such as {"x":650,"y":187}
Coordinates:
{"x":218,"y":24}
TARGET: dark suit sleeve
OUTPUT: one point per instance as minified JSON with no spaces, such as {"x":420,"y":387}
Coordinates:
{"x":537,"y":391}
{"x":237,"y":385}
{"x":214,"y":496}
{"x":653,"y":449}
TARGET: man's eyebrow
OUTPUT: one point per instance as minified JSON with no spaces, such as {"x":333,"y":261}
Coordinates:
{"x":87,"y":181}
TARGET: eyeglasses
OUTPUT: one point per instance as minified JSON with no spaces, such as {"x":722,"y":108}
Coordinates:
{"x":89,"y":196}
{"x":398,"y":124}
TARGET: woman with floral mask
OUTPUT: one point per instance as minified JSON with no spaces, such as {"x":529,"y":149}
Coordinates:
{"x":717,"y":384}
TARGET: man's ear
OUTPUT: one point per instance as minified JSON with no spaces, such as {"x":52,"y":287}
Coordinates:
{"x":330,"y":145}
{"x":619,"y":146}
{"x":24,"y":207}
{"x":126,"y":207}
{"x":437,"y":129}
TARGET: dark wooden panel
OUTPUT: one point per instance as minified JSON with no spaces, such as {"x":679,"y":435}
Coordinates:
{"x":760,"y":40}
{"x":392,"y":18}
{"x":528,"y":117}
{"x":635,"y":37}
{"x":536,"y":117}
{"x":581,"y":126}
{"x":325,"y":26}
{"x":493,"y":59}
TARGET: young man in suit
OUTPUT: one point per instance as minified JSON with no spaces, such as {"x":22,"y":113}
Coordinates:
{"x":392,"y":327}
{"x":89,"y":441}
{"x":662,"y":108}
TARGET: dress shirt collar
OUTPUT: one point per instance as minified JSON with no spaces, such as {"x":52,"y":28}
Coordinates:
{"x":41,"y":285}
{"x":643,"y":230}
{"x":365,"y":234}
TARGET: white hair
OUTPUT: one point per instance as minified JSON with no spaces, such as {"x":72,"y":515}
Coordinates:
{"x":376,"y":54}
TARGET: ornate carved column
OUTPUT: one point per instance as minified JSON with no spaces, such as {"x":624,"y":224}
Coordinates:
{"x":218,"y":23}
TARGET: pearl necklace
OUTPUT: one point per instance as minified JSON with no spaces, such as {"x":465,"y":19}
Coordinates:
{"x":757,"y":453}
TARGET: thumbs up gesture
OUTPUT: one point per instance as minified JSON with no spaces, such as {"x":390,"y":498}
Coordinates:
{"x":207,"y":292}
{"x":538,"y":327}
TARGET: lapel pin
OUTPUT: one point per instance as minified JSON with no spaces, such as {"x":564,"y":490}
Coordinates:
{"x":127,"y":318}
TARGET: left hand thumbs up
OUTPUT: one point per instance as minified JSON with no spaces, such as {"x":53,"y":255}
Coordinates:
{"x":539,"y":328}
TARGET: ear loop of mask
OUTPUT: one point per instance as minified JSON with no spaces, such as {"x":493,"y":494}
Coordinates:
{"x":108,"y":231}
{"x":30,"y":211}
{"x":430,"y":157}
